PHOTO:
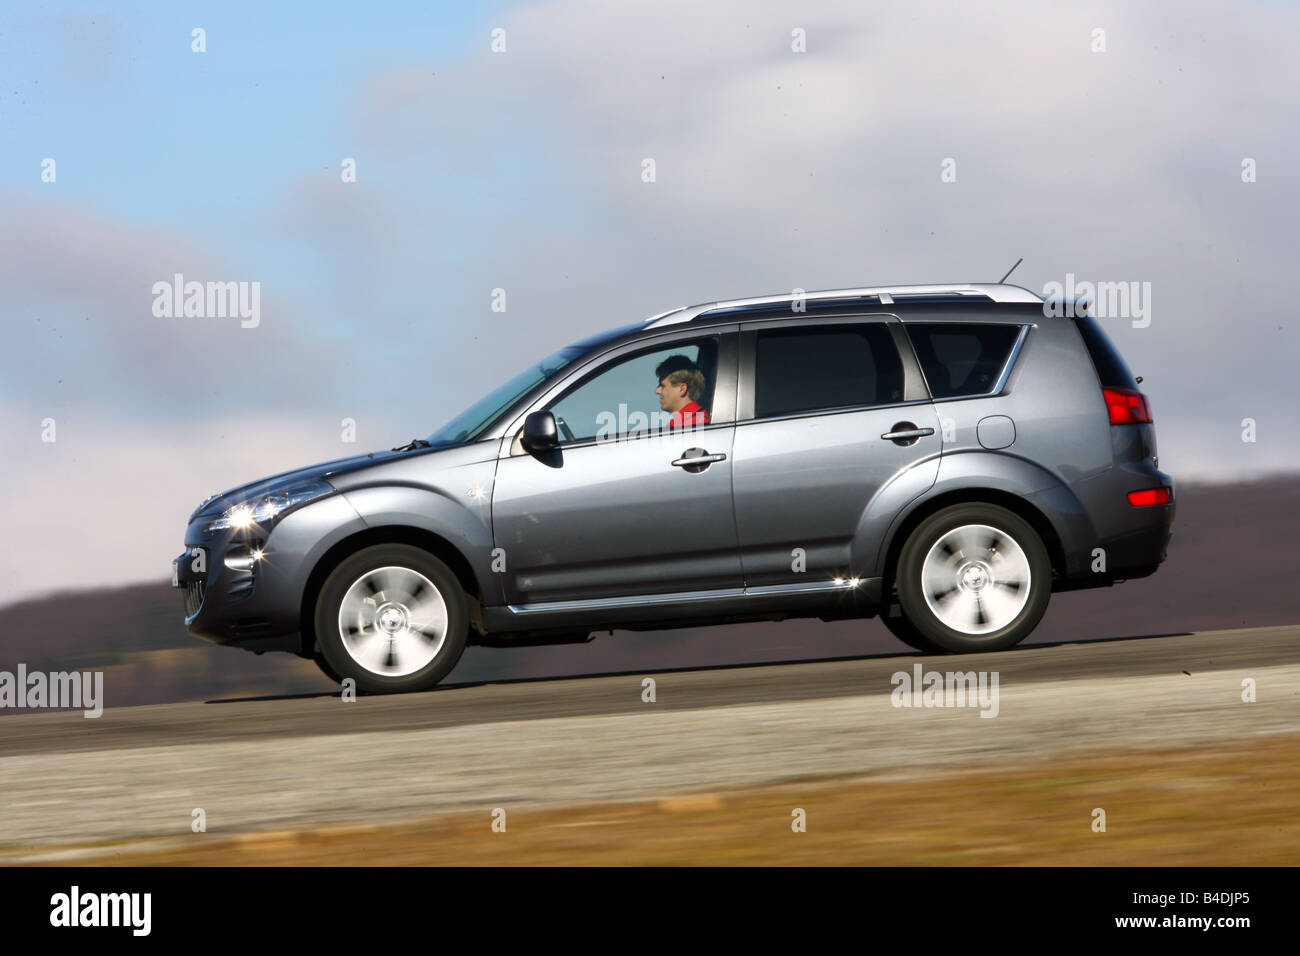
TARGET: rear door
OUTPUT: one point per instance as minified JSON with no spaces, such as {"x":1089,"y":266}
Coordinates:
{"x":830,"y":411}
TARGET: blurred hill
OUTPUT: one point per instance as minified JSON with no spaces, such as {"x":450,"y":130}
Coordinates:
{"x":1229,"y":566}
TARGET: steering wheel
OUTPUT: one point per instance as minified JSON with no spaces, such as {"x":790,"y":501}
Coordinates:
{"x":565,"y":430}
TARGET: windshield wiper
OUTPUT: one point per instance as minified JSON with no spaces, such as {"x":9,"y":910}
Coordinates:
{"x":413,"y":444}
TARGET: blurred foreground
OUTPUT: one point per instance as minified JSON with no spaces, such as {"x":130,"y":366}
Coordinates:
{"x":1210,"y":806}
{"x":1187,"y":743}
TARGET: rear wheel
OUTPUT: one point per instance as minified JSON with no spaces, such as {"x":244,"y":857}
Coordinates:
{"x":393,"y":618}
{"x":973,"y":577}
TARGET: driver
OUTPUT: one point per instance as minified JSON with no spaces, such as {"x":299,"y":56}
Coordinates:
{"x":681,"y":385}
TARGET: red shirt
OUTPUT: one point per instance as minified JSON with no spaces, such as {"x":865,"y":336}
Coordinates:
{"x":691,"y":414}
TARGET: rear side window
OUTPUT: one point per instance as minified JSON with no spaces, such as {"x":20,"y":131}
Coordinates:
{"x":1112,"y":370}
{"x":962,"y":359}
{"x":833,"y":366}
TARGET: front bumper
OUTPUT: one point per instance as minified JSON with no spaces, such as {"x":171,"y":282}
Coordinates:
{"x":258,"y":607}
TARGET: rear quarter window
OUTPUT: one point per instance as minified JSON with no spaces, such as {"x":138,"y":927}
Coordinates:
{"x":1112,"y":370}
{"x":961,"y":359}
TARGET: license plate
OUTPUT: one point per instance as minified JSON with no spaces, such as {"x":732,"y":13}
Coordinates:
{"x":176,"y":573}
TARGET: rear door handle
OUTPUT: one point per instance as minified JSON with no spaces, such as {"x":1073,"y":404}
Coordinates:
{"x":906,"y":433}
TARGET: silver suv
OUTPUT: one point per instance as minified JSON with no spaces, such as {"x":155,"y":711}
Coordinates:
{"x":943,"y":456}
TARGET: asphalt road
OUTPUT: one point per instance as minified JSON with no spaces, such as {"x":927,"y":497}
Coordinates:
{"x":234,"y":720}
{"x":141,"y":773}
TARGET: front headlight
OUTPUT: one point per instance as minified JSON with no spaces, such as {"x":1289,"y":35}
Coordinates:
{"x":264,"y":510}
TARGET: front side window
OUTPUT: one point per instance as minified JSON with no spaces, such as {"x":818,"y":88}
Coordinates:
{"x":961,"y":360}
{"x":823,"y":368}
{"x":653,"y":391}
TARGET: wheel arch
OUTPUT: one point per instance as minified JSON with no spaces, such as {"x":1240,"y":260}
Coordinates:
{"x":1014,"y":503}
{"x":426,"y":540}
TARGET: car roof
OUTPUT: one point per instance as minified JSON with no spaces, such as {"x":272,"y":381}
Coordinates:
{"x":980,"y":301}
{"x":995,"y":292}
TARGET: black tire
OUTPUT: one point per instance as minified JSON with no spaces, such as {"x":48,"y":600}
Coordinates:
{"x":325,"y":668}
{"x":902,"y":629}
{"x":361,"y":574}
{"x":990,"y":537}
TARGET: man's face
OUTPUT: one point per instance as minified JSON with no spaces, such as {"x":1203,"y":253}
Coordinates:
{"x":672,"y":398}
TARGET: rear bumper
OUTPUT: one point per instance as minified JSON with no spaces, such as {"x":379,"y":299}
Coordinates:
{"x":1139,"y":554}
{"x":1139,"y":543}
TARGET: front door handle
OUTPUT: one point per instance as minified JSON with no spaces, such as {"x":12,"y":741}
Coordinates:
{"x":697,"y":459}
{"x":701,"y":459}
{"x":906,"y":433}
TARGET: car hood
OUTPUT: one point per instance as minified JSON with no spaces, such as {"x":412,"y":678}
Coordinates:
{"x":215,"y":504}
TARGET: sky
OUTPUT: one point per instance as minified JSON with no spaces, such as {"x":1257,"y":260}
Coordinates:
{"x":523,"y":169}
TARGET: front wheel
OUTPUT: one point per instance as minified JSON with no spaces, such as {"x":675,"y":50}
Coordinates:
{"x":902,"y":629}
{"x":974,"y":577}
{"x":393,"y":618}
{"x":325,"y":668}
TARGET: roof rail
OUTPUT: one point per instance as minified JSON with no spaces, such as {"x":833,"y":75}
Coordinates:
{"x":989,"y":291}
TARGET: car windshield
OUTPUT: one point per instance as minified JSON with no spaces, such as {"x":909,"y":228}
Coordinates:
{"x":467,"y":426}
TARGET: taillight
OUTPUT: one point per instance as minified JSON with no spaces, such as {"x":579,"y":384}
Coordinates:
{"x":1150,"y":496}
{"x":1127,"y":406}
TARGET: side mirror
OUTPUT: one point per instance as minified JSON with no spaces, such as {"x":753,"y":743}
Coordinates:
{"x":540,"y":433}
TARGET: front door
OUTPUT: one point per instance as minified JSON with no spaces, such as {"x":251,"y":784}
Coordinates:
{"x":629,"y":504}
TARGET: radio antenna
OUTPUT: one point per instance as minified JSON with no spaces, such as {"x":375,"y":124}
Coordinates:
{"x":1011,"y":270}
